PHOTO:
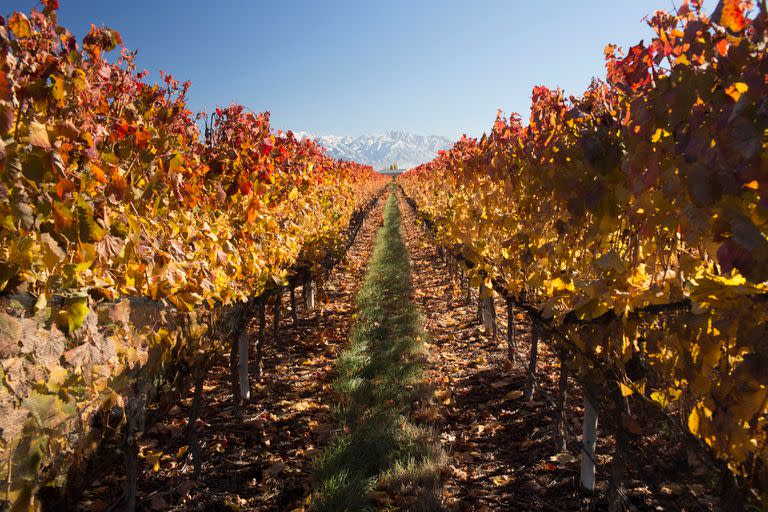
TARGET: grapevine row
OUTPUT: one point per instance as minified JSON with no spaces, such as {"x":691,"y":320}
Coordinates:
{"x":633,"y":222}
{"x":110,"y":195}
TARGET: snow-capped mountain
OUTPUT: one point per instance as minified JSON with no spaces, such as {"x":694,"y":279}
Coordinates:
{"x":382,"y":150}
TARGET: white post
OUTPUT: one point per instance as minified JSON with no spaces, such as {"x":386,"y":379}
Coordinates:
{"x":588,"y":439}
{"x":242,"y":347}
{"x":309,"y":289}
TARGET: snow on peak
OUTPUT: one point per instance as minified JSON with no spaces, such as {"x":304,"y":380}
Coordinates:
{"x":384,"y":149}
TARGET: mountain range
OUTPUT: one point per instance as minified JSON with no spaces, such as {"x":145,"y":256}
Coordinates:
{"x":382,"y":150}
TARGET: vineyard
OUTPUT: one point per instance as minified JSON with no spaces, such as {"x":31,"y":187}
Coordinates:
{"x":200,"y":312}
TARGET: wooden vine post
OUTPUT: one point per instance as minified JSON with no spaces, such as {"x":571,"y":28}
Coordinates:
{"x":487,"y":310}
{"x":278,"y":302}
{"x":511,"y":342}
{"x":294,"y":311}
{"x":588,"y":437}
{"x":480,"y":305}
{"x":261,"y":338}
{"x":619,"y":463}
{"x":469,"y":291}
{"x":561,"y":420}
{"x":309,"y":290}
{"x":242,"y":347}
{"x":240,"y":351}
{"x":530,"y":379}
{"x":234,"y":375}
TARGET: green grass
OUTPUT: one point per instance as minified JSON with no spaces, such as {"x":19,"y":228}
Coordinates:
{"x":378,"y":448}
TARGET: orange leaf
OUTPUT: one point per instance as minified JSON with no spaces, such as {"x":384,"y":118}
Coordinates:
{"x":722,"y":47}
{"x":736,"y":90}
{"x":117,"y":183}
{"x":98,"y":173}
{"x":253,"y":209}
{"x":732,"y":16}
{"x":63,"y":187}
{"x":20,"y":25}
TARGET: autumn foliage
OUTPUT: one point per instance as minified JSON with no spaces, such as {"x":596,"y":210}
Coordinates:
{"x":108,"y":187}
{"x":108,"y":190}
{"x":634,"y":219}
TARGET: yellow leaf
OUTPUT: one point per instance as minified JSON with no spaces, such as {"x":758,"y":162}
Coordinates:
{"x":41,"y":302}
{"x":48,"y":409}
{"x":501,"y":480}
{"x":563,"y":458}
{"x":57,"y":91}
{"x":52,"y":253}
{"x":73,"y":314}
{"x":303,"y":405}
{"x":444,"y":396}
{"x":56,"y":377}
{"x":153,"y":458}
{"x":514,"y":394}
{"x":558,"y":285}
{"x":683,"y":60}
{"x":658,"y":134}
{"x":660,"y":398}
{"x":736,"y":90}
{"x":38,"y":136}
{"x":694,"y":421}
{"x":664,"y":397}
{"x":625,"y":390}
{"x":293,"y":194}
{"x":754,"y":185}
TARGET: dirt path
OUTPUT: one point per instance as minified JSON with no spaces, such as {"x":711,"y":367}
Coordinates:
{"x":472,"y":379}
{"x":262,"y":461}
{"x":500,"y":448}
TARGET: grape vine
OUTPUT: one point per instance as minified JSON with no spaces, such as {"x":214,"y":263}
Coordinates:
{"x":109,"y":191}
{"x":634,"y":220}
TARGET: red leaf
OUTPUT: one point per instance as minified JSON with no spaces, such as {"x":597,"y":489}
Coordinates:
{"x":5,"y":87}
{"x":266,"y":147}
{"x":7,"y":117}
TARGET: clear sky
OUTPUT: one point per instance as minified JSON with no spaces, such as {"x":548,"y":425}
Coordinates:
{"x":432,"y":67}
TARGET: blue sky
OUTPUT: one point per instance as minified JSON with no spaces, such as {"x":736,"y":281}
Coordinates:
{"x":342,"y":67}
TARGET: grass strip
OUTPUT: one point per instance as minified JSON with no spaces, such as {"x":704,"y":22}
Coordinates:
{"x":379,"y":456}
